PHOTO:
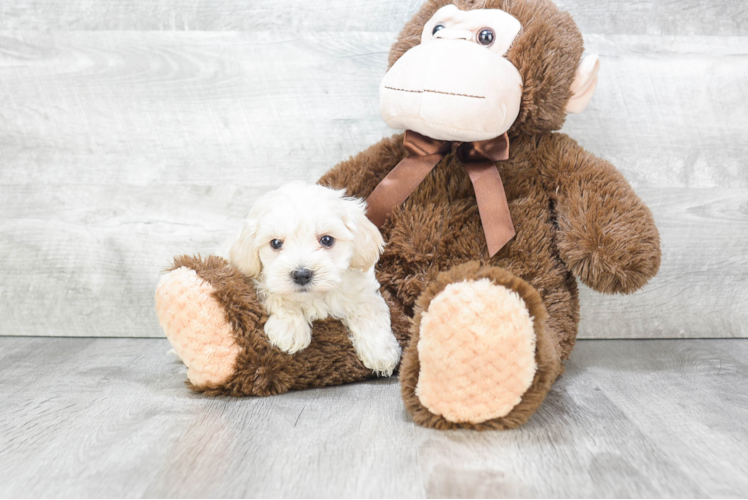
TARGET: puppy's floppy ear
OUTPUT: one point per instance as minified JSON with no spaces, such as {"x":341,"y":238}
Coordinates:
{"x":244,"y":254}
{"x":367,"y":240}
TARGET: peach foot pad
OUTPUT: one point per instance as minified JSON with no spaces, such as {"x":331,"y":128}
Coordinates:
{"x":476,"y":351}
{"x":195,"y":324}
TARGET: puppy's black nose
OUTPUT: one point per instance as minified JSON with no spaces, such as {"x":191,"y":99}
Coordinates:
{"x":302,"y":276}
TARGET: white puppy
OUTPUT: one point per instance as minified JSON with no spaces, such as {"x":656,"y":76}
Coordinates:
{"x":312,"y":252}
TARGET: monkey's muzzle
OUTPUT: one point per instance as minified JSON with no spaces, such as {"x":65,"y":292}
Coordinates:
{"x":452,"y":90}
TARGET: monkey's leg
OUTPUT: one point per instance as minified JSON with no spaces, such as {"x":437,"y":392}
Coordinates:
{"x":195,"y":324}
{"x":480,"y":356}
{"x":213,"y":319}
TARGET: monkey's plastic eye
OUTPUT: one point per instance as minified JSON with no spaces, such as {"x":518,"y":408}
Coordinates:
{"x":276,"y":244}
{"x":438,"y":27}
{"x":327,"y":241}
{"x":485,"y":37}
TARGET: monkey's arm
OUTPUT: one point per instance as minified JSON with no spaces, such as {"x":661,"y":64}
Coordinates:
{"x":607,"y":236}
{"x":360,"y":174}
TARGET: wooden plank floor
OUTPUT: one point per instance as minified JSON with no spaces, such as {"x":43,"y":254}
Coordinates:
{"x":111,"y":418}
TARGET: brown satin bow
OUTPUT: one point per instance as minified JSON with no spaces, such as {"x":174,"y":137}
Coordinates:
{"x":479,"y":159}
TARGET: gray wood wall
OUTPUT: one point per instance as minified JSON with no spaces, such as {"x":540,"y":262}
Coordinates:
{"x":133,"y":130}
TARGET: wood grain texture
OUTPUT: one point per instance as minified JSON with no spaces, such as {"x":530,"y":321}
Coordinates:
{"x":121,"y":149}
{"x":112,"y":418}
{"x":653,"y":17}
{"x":137,"y":108}
{"x":669,"y":111}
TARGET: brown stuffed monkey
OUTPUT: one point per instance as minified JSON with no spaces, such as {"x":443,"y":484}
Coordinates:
{"x":489,"y":217}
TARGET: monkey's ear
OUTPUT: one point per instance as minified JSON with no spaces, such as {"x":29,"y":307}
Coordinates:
{"x":244,"y":254}
{"x":584,"y":84}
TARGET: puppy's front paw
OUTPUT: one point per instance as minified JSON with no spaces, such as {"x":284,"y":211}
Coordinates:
{"x":379,"y":353}
{"x":289,"y":333}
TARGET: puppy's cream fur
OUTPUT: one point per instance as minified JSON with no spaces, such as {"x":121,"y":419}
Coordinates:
{"x":343,"y":283}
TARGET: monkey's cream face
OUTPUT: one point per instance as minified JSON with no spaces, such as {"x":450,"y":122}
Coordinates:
{"x":457,"y":85}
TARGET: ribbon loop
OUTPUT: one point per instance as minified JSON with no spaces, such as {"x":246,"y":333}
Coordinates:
{"x":496,"y":149}
{"x":419,"y":145}
{"x":479,"y":159}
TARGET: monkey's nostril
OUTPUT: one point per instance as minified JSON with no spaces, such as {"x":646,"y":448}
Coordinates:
{"x":453,"y":34}
{"x":302,"y":276}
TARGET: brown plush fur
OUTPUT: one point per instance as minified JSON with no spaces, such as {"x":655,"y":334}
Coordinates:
{"x":261,"y":369}
{"x":575,"y":217}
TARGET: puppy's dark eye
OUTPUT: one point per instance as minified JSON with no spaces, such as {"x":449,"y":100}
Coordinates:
{"x":438,"y":27}
{"x":485,"y":37}
{"x":276,"y":244}
{"x":327,"y":241}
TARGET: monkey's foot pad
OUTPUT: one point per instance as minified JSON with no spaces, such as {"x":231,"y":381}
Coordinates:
{"x":195,"y":324}
{"x":477,"y":352}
